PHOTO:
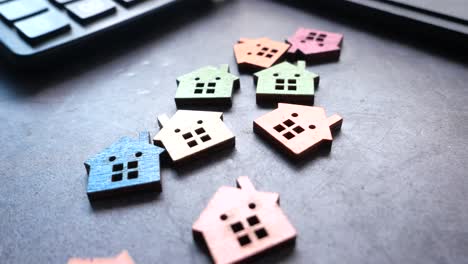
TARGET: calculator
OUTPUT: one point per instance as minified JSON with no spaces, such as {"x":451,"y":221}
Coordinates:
{"x":33,"y":30}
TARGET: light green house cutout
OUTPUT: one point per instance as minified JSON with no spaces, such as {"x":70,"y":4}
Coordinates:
{"x":286,"y":83}
{"x":207,"y":86}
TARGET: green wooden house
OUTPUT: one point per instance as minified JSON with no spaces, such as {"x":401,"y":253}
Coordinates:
{"x":286,"y":83}
{"x":207,"y":86}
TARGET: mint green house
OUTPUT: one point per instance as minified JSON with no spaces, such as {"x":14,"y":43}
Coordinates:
{"x":286,"y":83}
{"x":207,"y":86}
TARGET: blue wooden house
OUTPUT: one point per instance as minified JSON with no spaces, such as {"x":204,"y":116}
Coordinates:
{"x":127,"y":165}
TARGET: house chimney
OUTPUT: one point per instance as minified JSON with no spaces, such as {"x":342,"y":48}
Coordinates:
{"x":224,"y":67}
{"x":334,"y":122}
{"x":245,"y":184}
{"x":162,"y":120}
{"x":301,"y":64}
{"x":145,"y":137}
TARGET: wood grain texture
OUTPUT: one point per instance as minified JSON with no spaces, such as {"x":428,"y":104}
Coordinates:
{"x":207,"y":86}
{"x":192,"y":134}
{"x":314,"y":46}
{"x":297,"y":129}
{"x":287,"y":83}
{"x":241,"y":223}
{"x":122,"y":258}
{"x":258,"y":54}
{"x":127,"y":165}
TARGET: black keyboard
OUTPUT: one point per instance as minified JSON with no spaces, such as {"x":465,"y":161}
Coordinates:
{"x":32,"y":28}
{"x":442,"y":22}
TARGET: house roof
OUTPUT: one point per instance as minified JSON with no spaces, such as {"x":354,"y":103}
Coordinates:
{"x":181,"y":118}
{"x":286,"y":66}
{"x":227,"y":198}
{"x":318,"y":111}
{"x":143,"y":142}
{"x":222,"y":70}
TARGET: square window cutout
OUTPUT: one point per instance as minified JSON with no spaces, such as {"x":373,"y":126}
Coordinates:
{"x":298,"y":129}
{"x":292,"y":81}
{"x":288,"y":135}
{"x":279,"y":128}
{"x":244,"y":240}
{"x":198,"y":91}
{"x":253,"y":220}
{"x":132,"y":175}
{"x":269,"y":56}
{"x":260,"y":54}
{"x":237,"y":227}
{"x":261,"y":233}
{"x":292,"y":88}
{"x":279,"y":87}
{"x":117,"y":177}
{"x":210,"y":91}
{"x":192,"y":143}
{"x":200,"y":85}
{"x":200,"y":130}
{"x":279,"y":80}
{"x":289,"y":122}
{"x":117,"y":167}
{"x":205,"y":138}
{"x":187,"y":135}
{"x":132,"y":165}
{"x":211,"y":84}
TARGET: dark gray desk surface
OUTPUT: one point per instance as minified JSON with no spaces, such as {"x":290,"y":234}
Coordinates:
{"x":394,"y":188}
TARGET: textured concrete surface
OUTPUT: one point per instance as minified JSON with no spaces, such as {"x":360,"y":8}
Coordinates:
{"x":393,"y":189}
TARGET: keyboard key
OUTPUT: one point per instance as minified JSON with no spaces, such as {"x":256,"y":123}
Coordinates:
{"x":86,"y":11}
{"x":61,"y":2}
{"x":42,"y":26}
{"x":18,"y":9}
{"x":128,"y":2}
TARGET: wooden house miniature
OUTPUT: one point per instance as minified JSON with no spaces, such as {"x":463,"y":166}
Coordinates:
{"x":122,"y":258}
{"x":127,"y":165}
{"x":241,"y":223}
{"x":207,"y":86}
{"x":258,"y":54}
{"x":314,"y":45}
{"x":297,"y":129}
{"x":286,"y":83}
{"x":191,"y":134}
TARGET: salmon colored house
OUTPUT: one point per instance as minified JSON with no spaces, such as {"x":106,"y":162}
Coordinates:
{"x":298,"y":129}
{"x":240,"y":223}
{"x":258,"y":54}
